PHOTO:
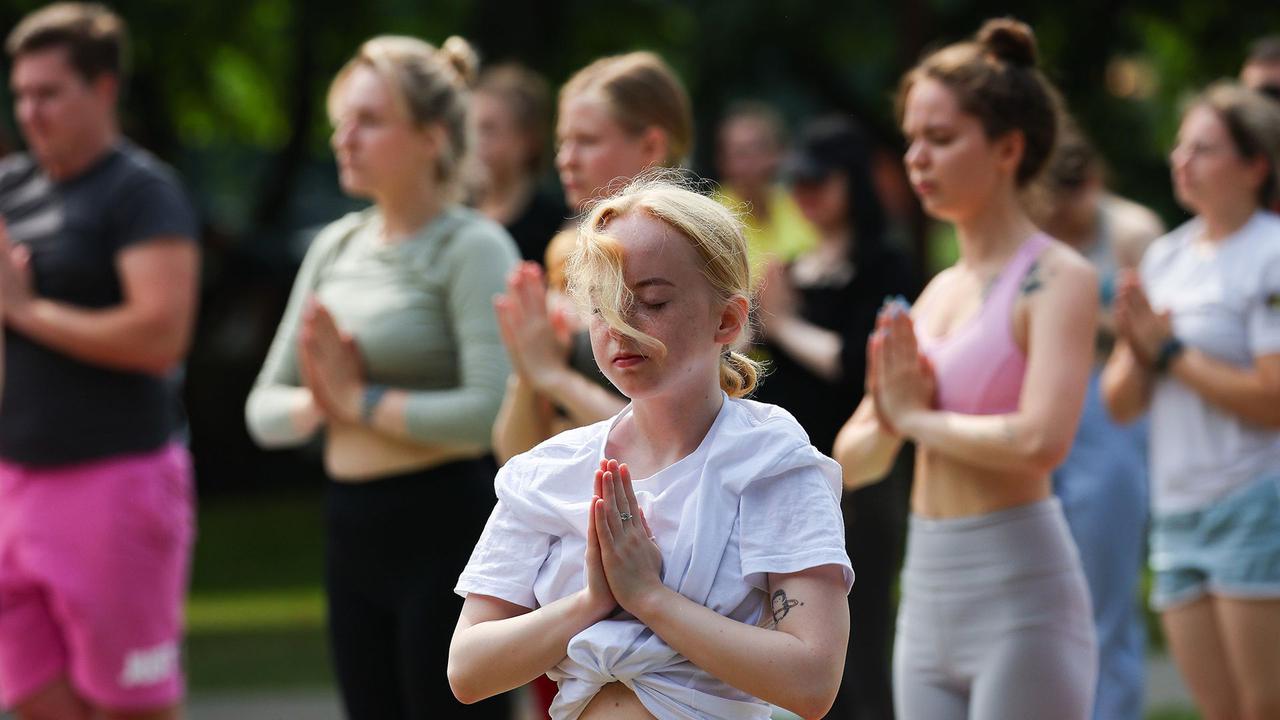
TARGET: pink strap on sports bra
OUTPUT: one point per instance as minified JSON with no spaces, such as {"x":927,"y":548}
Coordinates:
{"x":979,"y":367}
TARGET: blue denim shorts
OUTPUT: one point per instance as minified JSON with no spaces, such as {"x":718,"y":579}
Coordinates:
{"x":1230,"y":548}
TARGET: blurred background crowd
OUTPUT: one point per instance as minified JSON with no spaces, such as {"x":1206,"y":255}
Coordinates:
{"x":782,"y":97}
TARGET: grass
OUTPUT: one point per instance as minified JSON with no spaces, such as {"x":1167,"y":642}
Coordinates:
{"x":255,"y":616}
{"x":1172,"y":714}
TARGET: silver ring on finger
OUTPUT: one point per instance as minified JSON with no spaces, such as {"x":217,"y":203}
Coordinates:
{"x":625,"y":516}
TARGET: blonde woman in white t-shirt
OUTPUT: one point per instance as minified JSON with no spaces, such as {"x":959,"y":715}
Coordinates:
{"x":1199,"y":344}
{"x":684,"y":559}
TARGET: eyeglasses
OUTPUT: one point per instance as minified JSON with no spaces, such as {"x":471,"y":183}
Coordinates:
{"x":1193,"y":150}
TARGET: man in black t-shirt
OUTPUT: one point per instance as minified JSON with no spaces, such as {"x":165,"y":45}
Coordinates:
{"x":98,"y":278}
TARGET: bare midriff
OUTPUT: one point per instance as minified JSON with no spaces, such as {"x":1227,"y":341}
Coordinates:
{"x":945,"y":488}
{"x":355,"y":454}
{"x":615,"y":701}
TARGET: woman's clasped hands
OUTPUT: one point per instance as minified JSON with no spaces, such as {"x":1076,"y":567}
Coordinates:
{"x":623,"y":561}
{"x":536,"y":337}
{"x":330,"y":364}
{"x":899,"y":376}
{"x":1137,"y":323}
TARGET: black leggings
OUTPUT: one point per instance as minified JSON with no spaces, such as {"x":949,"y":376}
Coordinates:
{"x":874,"y":525}
{"x":395,"y":547}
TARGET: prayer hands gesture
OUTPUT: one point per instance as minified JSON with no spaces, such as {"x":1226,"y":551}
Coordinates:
{"x":899,"y":377}
{"x":537,"y":340}
{"x":623,"y":559}
{"x":330,"y":365}
{"x":1137,"y":322}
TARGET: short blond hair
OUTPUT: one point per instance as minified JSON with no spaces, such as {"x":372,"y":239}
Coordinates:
{"x":641,"y":91}
{"x":429,"y":85}
{"x":595,"y":274}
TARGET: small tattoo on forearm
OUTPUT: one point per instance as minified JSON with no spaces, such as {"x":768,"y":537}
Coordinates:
{"x":779,"y":607}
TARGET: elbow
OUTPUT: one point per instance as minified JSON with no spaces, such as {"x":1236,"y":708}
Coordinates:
{"x":167,"y":346}
{"x":816,"y":701}
{"x":1120,"y":412}
{"x":815,"y":709}
{"x":1044,"y":454}
{"x":462,"y":684}
{"x":162,"y":360}
{"x":263,"y":430}
{"x":857,"y":470}
{"x":819,"y":683}
{"x":855,"y":475}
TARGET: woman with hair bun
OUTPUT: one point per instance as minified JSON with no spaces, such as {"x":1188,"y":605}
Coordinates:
{"x":390,"y":347}
{"x":685,"y":558}
{"x":986,"y":375}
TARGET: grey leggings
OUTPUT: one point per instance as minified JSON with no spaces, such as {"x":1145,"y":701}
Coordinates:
{"x":995,"y":621}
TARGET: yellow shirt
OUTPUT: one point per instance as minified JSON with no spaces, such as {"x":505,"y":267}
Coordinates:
{"x":786,"y":235}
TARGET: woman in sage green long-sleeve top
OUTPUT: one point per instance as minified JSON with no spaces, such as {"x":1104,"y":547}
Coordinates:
{"x":389,"y":345}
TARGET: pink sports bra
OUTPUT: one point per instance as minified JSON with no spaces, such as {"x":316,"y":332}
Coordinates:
{"x":978,"y":365}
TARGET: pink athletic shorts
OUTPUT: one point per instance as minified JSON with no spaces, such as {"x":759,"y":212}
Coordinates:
{"x":93,"y":571}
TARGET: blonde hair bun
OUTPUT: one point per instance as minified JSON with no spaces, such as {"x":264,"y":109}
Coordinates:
{"x":462,"y":57}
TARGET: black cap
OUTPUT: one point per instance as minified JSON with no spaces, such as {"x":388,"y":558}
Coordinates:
{"x":825,"y":146}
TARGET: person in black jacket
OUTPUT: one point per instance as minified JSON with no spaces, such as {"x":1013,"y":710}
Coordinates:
{"x":815,"y":316}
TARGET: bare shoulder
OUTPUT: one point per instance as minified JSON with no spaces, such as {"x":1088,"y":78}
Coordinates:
{"x":1133,"y":228}
{"x":1060,"y":271}
{"x":1132,"y":220}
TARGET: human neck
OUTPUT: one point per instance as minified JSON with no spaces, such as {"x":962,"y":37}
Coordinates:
{"x":504,"y":195}
{"x":405,"y":210}
{"x":1222,"y":222}
{"x":989,"y":236}
{"x":668,"y":428}
{"x":836,"y":237}
{"x":80,"y":158}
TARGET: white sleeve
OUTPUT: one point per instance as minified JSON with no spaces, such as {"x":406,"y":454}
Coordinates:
{"x":508,"y":556}
{"x":1263,"y":315}
{"x":791,"y":521}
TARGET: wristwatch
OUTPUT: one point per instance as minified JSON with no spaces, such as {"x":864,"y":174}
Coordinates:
{"x":1169,"y":351}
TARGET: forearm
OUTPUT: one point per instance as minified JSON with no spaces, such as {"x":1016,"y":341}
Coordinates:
{"x":458,"y":416}
{"x":772,"y":665}
{"x":280,"y":416}
{"x":585,"y":401}
{"x":1008,"y":442}
{"x":818,"y":350}
{"x":1126,"y":385}
{"x":495,"y":656}
{"x":521,"y":422}
{"x":116,"y":337}
{"x":864,"y":449}
{"x":1238,"y":391}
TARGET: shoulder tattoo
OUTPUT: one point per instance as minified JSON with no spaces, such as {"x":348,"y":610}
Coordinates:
{"x":1034,"y":279}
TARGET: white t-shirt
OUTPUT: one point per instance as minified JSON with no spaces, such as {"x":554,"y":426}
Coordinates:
{"x":754,"y":498}
{"x":1225,"y":301}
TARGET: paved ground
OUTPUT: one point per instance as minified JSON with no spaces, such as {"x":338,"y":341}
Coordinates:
{"x":1164,"y":690}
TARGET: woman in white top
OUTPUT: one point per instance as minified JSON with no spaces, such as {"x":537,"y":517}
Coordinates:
{"x":646,"y":598}
{"x":1199,"y":344}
